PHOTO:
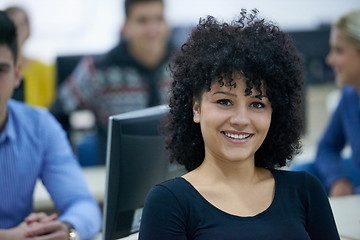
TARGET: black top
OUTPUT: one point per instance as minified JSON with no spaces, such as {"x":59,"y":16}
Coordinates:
{"x":175,"y":210}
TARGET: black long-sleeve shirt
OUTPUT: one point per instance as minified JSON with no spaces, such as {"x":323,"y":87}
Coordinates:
{"x":175,"y":210}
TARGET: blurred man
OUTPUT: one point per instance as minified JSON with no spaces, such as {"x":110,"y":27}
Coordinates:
{"x":133,"y":75}
{"x":33,"y":146}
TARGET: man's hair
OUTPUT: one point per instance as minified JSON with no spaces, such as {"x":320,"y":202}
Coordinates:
{"x":8,"y":34}
{"x":130,"y":3}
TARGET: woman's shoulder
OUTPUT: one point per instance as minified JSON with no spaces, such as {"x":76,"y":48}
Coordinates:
{"x":294,"y":177}
{"x":350,"y":94}
{"x":349,"y":90}
{"x":177,"y":186}
{"x":302,"y":182}
{"x":174,"y":191}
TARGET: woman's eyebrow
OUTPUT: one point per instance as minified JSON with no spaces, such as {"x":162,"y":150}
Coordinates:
{"x":259,"y":96}
{"x":225,"y":93}
{"x":234,"y":95}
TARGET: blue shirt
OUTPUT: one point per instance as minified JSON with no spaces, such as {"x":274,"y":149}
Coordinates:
{"x":300,"y":210}
{"x":34,"y":146}
{"x":343,"y":129}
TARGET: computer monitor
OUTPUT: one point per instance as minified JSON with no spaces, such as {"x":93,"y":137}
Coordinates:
{"x":314,"y":47}
{"x":66,"y":64}
{"x":136,"y":160}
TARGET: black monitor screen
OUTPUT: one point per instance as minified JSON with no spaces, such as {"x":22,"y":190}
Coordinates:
{"x":136,"y":160}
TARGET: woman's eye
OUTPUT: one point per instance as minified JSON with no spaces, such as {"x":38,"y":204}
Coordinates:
{"x":257,"y":105}
{"x":225,"y":102}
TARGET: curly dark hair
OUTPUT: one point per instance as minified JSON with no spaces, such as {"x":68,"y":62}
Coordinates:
{"x":258,"y":50}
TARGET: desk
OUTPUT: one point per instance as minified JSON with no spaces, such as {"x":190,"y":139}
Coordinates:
{"x":346,"y":209}
{"x":134,"y":236}
{"x":347,"y":216}
{"x":94,"y":177}
{"x":346,"y":213}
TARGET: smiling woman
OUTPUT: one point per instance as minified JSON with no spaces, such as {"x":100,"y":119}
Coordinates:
{"x":265,"y":58}
{"x":340,"y":174}
{"x":235,"y":117}
{"x":233,"y":124}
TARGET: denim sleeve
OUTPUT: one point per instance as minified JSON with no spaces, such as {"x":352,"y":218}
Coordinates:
{"x":328,"y":159}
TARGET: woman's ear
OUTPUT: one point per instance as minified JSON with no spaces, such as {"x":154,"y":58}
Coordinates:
{"x":196,"y":111}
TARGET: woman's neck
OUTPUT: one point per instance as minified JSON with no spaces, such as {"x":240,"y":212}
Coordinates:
{"x":228,"y":173}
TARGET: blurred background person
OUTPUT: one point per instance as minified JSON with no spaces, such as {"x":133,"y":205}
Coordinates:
{"x":339,"y":174}
{"x":33,"y":146}
{"x":38,"y":79}
{"x":133,"y":75}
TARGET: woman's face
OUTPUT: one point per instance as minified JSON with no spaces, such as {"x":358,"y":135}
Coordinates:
{"x":233,"y":125}
{"x":344,"y":59}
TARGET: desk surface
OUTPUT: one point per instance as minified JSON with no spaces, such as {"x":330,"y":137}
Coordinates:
{"x":346,"y":209}
{"x":347,"y":216}
{"x":346,"y":212}
{"x":134,"y":236}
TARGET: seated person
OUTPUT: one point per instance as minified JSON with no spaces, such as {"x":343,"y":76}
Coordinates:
{"x":342,"y":176}
{"x":235,"y":118}
{"x":33,"y":146}
{"x":133,"y":75}
{"x":37,"y":87}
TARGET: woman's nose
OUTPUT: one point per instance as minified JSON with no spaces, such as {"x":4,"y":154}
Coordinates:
{"x":240,"y":116}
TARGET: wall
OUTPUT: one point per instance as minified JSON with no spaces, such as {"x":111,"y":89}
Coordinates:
{"x":92,"y":26}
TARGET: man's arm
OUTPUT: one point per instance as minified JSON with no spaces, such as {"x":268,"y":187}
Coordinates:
{"x":63,"y":178}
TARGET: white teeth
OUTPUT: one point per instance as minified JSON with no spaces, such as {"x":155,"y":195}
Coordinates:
{"x":237,"y":136}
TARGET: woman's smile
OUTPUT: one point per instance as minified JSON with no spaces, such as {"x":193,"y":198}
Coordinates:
{"x":237,"y":137}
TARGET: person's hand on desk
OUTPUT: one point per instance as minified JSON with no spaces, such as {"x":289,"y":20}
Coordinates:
{"x":15,"y":233}
{"x":46,"y":227}
{"x":40,"y":218}
{"x":341,"y":187}
{"x":37,"y":226}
